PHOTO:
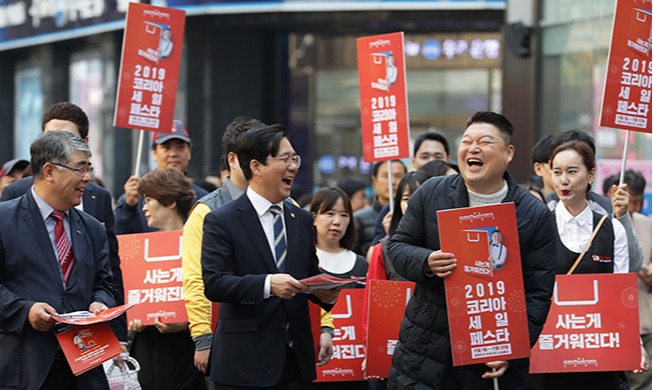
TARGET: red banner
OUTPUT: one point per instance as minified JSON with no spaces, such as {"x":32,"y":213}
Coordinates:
{"x":485,"y":293}
{"x":593,"y":325}
{"x":627,"y":95}
{"x":384,"y":107}
{"x":387,"y":304}
{"x":348,"y":349}
{"x":151,"y":265}
{"x":149,"y":68}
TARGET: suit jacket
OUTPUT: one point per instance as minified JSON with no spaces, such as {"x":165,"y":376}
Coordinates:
{"x":249,"y":344}
{"x":30,"y":273}
{"x":97,"y":203}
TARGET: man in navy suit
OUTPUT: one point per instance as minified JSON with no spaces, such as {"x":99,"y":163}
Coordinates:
{"x":96,"y":200}
{"x":41,"y":276}
{"x":252,"y":263}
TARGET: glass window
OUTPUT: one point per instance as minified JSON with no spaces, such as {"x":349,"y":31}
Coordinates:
{"x":29,"y":109}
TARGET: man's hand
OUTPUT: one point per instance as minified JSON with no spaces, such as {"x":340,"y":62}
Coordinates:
{"x":202,"y":359}
{"x":97,"y":307}
{"x":285,"y":286}
{"x":40,"y":316}
{"x":440,"y":263}
{"x":498,"y":368}
{"x":131,"y":190}
{"x":136,"y":326}
{"x":326,"y":349}
{"x":620,"y":199}
{"x":169,"y":328}
{"x":327,"y":296}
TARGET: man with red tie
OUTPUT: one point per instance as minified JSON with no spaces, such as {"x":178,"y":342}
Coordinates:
{"x":53,"y":259}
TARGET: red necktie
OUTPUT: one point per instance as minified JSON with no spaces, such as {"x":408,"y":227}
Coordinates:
{"x":66,"y":258}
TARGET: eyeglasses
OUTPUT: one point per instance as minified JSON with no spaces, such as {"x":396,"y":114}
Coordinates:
{"x":86,"y":170}
{"x":296,"y":159}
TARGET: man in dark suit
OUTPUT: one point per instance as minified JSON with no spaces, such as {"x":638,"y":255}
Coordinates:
{"x":96,"y":200}
{"x":251,"y":264}
{"x":53,"y":259}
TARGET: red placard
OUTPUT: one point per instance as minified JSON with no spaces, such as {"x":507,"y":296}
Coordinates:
{"x":387,"y":304}
{"x":384,"y":107}
{"x":88,"y":346}
{"x":593,"y":325}
{"x":485,"y":293}
{"x":627,"y":94}
{"x":348,"y":349}
{"x":151,"y":264}
{"x":149,"y":68}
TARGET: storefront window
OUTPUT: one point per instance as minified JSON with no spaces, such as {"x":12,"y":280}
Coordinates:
{"x":29,"y":109}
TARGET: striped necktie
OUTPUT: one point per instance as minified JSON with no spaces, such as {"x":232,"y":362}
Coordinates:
{"x":279,"y":238}
{"x":64,"y":249}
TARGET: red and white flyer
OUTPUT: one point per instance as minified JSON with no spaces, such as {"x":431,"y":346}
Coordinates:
{"x":384,"y":106}
{"x":387,"y":304}
{"x":593,"y":325}
{"x":86,"y":317}
{"x":348,"y":349}
{"x":485,"y":293}
{"x":149,"y":68}
{"x":627,"y":94}
{"x":326,"y":281}
{"x":88,"y":346}
{"x":151,"y":264}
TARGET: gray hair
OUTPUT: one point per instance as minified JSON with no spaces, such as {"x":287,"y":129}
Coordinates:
{"x":55,"y":146}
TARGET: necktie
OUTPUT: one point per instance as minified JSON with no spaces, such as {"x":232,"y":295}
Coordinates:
{"x":279,"y":238}
{"x":64,"y":248}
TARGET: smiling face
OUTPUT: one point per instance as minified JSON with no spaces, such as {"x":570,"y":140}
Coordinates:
{"x":331,"y":225}
{"x":496,"y":238}
{"x":174,"y":153}
{"x":570,"y":178}
{"x":483,"y":157}
{"x":68,"y":184}
{"x":273,"y":180}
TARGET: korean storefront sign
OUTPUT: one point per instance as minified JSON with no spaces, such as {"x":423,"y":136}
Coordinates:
{"x":387,"y":303}
{"x":627,"y":94}
{"x":485,"y":293}
{"x":593,"y":325}
{"x":149,"y":68}
{"x":348,"y":349}
{"x":151,"y":264}
{"x":384,"y":107}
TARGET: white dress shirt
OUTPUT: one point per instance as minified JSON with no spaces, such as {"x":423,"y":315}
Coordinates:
{"x":574,"y":233}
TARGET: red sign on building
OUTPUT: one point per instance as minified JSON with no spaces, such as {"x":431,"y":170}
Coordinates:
{"x":149,"y":68}
{"x":387,"y":304}
{"x":348,"y":349}
{"x":151,"y":265}
{"x":384,"y":107}
{"x":627,"y":94}
{"x":485,"y":293}
{"x":593,"y":325}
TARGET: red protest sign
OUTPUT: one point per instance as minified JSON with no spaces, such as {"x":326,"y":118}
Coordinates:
{"x":384,"y":107}
{"x":593,"y":325}
{"x":627,"y":94}
{"x":485,"y":293}
{"x":151,"y":265}
{"x":149,"y":68}
{"x":387,"y":304}
{"x":348,"y":350}
{"x":88,"y":346}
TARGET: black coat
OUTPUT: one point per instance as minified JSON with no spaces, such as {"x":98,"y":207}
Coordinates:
{"x":422,"y":358}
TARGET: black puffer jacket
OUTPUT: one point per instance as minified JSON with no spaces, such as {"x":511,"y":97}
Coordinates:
{"x":422,"y":358}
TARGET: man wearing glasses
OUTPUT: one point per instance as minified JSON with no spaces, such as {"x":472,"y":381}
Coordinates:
{"x":53,"y":259}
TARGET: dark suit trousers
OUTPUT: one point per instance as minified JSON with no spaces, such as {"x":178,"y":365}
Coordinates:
{"x":61,"y":377}
{"x":290,"y":378}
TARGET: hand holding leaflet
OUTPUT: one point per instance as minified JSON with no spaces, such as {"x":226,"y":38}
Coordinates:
{"x":326,"y":282}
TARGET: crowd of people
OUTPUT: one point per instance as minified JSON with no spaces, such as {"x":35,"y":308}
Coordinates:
{"x":247,"y":244}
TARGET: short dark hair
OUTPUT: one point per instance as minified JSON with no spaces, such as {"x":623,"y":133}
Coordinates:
{"x":634,"y":179}
{"x":412,"y":181}
{"x":435,"y":168}
{"x":67,"y":111}
{"x":239,"y":125}
{"x":350,"y":185}
{"x":55,"y":147}
{"x":573,"y":135}
{"x":541,"y":152}
{"x":496,"y":231}
{"x":167,"y":186}
{"x":580,"y":147}
{"x":497,"y":120}
{"x":324,"y":200}
{"x":258,"y":144}
{"x":431,"y":136}
{"x":377,"y":165}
